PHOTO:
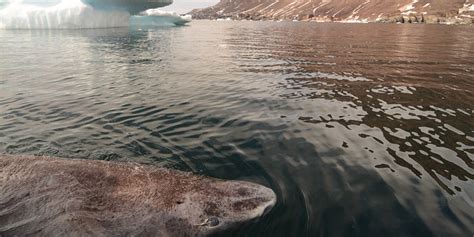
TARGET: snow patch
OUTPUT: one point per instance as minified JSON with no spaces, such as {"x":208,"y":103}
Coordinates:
{"x":409,"y":6}
{"x":357,"y":9}
{"x":468,"y":7}
{"x":379,"y":17}
{"x":356,"y":20}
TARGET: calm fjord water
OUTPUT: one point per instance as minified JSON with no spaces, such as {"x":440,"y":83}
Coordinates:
{"x":361,"y":130}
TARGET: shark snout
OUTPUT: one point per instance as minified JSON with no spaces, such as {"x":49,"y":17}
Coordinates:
{"x":270,"y":202}
{"x":227,"y":205}
{"x":269,"y":207}
{"x":256,"y":202}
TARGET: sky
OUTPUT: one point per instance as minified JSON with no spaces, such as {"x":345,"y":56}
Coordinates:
{"x":185,"y":6}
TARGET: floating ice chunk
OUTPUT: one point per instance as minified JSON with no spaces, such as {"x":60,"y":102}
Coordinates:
{"x":153,"y":17}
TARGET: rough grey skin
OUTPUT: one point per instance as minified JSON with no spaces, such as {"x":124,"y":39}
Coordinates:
{"x":44,"y":196}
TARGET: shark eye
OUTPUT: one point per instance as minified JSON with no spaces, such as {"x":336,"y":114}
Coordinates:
{"x":210,"y":222}
{"x":213,"y":221}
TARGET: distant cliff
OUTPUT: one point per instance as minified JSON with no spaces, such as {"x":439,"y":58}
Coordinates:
{"x":404,"y":11}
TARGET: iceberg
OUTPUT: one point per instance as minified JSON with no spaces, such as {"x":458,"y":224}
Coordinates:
{"x":153,"y":17}
{"x":64,"y":15}
{"x":85,"y":14}
{"x":132,"y":6}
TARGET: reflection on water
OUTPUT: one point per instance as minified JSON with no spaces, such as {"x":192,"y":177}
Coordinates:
{"x":360,"y":129}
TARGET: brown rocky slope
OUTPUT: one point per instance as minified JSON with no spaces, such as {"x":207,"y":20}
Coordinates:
{"x":404,"y":11}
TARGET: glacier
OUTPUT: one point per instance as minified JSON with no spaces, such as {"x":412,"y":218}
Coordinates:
{"x":84,"y":14}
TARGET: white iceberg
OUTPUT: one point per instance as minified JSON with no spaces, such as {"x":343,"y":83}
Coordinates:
{"x":152,"y":17}
{"x":84,"y":14}
{"x":68,"y":14}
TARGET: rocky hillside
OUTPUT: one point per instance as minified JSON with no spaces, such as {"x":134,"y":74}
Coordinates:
{"x":404,"y":11}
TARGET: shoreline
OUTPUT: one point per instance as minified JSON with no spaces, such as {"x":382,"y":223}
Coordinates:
{"x":459,"y":18}
{"x":449,"y":22}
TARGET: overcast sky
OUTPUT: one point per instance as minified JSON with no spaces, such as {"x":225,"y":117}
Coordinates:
{"x":184,"y":6}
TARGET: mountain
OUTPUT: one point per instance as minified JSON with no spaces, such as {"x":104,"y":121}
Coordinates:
{"x":404,"y":11}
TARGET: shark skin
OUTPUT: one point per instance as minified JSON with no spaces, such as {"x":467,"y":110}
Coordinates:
{"x":46,"y":196}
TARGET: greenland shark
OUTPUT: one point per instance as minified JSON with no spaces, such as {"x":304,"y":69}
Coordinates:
{"x":46,"y":196}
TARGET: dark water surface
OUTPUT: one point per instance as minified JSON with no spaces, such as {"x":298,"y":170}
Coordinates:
{"x":361,"y":130}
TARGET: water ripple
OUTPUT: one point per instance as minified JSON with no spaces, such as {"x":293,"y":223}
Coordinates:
{"x":361,"y":130}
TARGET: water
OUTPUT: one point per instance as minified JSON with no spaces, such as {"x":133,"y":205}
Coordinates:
{"x":361,"y":129}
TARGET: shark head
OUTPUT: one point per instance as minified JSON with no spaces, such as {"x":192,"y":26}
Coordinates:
{"x":81,"y":197}
{"x":224,"y":205}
